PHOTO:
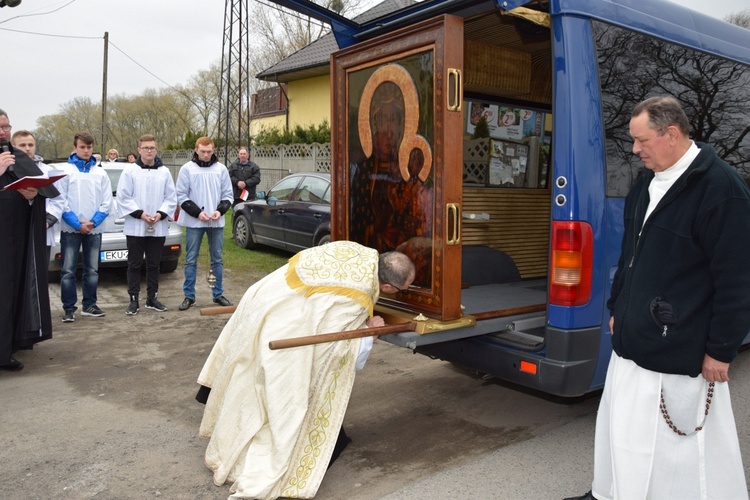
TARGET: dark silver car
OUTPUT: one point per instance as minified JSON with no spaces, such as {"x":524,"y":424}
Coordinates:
{"x":295,"y":214}
{"x":114,"y":251}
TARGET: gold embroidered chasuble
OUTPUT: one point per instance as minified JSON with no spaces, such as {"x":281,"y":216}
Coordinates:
{"x":273,"y":416}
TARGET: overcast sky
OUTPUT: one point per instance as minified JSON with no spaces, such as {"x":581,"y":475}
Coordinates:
{"x":172,"y":39}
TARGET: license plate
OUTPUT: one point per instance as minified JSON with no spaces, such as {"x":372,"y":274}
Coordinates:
{"x":114,"y":255}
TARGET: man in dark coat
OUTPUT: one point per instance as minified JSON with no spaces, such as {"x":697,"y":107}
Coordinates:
{"x":245,"y":176}
{"x":24,"y":298}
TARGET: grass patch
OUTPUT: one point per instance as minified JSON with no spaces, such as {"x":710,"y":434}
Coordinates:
{"x":262,"y":260}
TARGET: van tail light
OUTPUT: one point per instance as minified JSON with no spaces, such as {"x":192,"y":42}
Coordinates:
{"x":571,"y":263}
{"x":176,"y":213}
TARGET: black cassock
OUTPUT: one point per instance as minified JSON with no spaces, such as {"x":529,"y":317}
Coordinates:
{"x":24,"y":298}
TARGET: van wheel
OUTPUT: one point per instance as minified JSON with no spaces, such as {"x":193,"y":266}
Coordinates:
{"x":242,"y":236}
{"x":325,"y":239}
{"x":53,"y":276}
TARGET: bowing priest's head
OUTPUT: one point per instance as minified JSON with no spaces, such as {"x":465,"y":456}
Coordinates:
{"x":395,"y":272}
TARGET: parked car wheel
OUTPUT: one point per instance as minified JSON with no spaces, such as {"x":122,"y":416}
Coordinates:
{"x":325,"y":239}
{"x":295,"y":214}
{"x":242,"y":236}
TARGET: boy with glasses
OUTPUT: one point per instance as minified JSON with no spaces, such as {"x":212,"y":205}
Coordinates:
{"x":145,"y":198}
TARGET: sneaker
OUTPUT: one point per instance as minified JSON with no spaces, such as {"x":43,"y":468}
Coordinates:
{"x":222,"y":301}
{"x":153,"y":303}
{"x":187,"y":304}
{"x":92,"y":311}
{"x":69,"y":317}
{"x":133,"y":307}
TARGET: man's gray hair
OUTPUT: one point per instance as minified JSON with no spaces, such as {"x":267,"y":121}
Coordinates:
{"x":3,"y":113}
{"x":663,"y":111}
{"x":395,"y":268}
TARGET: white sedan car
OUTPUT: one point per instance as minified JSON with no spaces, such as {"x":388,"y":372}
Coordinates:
{"x":114,"y":251}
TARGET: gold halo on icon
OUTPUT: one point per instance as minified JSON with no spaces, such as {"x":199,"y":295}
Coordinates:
{"x":412,"y":140}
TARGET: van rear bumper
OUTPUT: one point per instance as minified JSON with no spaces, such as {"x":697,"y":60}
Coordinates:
{"x":565,"y":367}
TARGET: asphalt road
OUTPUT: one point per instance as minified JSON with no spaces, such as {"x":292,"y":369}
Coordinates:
{"x":105,"y":410}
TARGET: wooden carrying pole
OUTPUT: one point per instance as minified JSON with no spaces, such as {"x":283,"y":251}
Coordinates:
{"x":509,"y":312}
{"x":333,"y":337}
{"x":214,"y":310}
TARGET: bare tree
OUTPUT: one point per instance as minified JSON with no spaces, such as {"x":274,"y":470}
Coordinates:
{"x":741,"y":18}
{"x":202,"y":92}
{"x":714,"y":92}
{"x":165,"y":113}
{"x":277,"y":33}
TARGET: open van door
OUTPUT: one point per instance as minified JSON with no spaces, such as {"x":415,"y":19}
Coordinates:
{"x":397,"y":129}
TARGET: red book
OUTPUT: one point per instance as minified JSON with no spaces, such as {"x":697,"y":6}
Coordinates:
{"x":36,"y":181}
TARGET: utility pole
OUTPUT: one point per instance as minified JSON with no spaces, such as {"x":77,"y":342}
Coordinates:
{"x":104,"y":93}
{"x":234,"y":93}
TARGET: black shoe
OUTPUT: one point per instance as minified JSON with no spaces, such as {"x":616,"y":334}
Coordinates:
{"x":202,"y":396}
{"x":585,"y":496}
{"x":187,"y":304}
{"x":133,"y":307}
{"x":341,"y":442}
{"x":222,"y":301}
{"x":92,"y":311}
{"x":69,"y":317}
{"x":13,"y":366}
{"x":153,"y":303}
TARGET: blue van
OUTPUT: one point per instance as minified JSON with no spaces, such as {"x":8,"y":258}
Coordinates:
{"x":489,"y":141}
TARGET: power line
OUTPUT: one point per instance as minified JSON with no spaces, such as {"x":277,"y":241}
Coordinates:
{"x":140,"y":65}
{"x":55,"y":36}
{"x":39,"y":14}
{"x":113,"y":45}
{"x":184,"y":94}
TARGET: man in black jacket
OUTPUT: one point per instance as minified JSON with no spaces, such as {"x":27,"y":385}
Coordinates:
{"x":245,"y":176}
{"x":680,"y":308}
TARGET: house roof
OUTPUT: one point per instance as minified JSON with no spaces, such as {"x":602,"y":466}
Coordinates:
{"x":313,"y":59}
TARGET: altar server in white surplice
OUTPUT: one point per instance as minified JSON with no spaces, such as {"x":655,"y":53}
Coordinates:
{"x":146,"y":198}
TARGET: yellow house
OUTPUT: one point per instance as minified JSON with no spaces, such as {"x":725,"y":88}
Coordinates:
{"x":302,"y":91}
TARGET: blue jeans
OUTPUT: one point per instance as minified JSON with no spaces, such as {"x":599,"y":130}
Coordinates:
{"x":70,"y":243}
{"x":193,"y":239}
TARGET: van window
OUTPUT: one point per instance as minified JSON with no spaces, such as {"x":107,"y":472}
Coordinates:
{"x":714,"y":92}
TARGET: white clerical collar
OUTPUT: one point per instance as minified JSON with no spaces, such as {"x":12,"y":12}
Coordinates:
{"x":680,"y":166}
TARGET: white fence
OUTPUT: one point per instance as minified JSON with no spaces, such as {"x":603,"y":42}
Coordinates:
{"x":275,"y":161}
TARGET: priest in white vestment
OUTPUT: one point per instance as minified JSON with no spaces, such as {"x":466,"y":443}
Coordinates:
{"x":273,"y":416}
{"x":680,"y":310}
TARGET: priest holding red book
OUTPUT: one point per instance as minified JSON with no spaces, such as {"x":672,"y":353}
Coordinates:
{"x":24,"y":298}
